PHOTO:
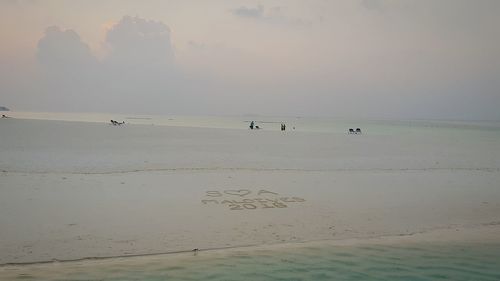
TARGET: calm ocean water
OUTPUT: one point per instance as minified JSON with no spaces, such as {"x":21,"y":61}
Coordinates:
{"x":406,"y":262}
{"x":300,"y":124}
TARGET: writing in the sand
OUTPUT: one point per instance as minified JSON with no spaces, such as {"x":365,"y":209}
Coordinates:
{"x":246,"y":199}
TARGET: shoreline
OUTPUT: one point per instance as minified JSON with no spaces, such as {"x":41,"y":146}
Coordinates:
{"x":484,"y":233}
{"x":241,"y":122}
{"x":249,"y":169}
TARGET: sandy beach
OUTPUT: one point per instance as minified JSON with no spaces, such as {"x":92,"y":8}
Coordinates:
{"x":73,"y":190}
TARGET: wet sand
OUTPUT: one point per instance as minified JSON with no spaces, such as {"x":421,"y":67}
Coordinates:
{"x":455,"y":254}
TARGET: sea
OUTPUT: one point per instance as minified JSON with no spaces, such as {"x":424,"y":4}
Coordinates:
{"x":308,"y":261}
{"x":273,"y":123}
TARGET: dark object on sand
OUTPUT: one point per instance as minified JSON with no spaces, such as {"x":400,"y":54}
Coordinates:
{"x":116,"y":123}
{"x":5,"y":116}
{"x":351,"y":131}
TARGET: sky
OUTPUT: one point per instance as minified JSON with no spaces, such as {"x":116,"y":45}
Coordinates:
{"x":352,"y":59}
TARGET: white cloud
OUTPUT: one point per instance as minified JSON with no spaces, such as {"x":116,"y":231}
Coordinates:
{"x":139,"y":41}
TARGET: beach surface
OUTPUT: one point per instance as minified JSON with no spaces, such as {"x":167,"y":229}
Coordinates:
{"x":75,"y":190}
{"x":469,"y":254}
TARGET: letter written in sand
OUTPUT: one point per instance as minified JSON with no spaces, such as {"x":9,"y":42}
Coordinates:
{"x":265,"y":205}
{"x":262,"y":191}
{"x":233,"y":207}
{"x":239,"y":192}
{"x":209,"y":201}
{"x":214,"y":194}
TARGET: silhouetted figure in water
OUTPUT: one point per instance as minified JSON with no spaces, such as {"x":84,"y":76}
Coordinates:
{"x":251,"y":125}
{"x":116,"y":123}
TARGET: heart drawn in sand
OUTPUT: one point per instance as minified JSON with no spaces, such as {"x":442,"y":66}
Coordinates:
{"x":239,"y":192}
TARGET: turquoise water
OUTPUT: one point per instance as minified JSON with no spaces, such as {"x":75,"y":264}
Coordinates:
{"x":407,"y":262}
{"x":299,"y":124}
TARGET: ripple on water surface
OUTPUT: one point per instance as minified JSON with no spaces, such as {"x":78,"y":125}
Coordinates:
{"x":326,"y":262}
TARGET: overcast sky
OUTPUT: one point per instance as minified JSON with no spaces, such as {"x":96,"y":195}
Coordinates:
{"x":376,"y":59}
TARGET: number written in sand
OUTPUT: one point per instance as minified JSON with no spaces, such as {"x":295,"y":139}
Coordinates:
{"x":234,"y":207}
{"x":246,"y":206}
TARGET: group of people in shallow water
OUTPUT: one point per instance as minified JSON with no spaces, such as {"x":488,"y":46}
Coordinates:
{"x":283,"y":128}
{"x":116,"y":123}
{"x":253,"y":126}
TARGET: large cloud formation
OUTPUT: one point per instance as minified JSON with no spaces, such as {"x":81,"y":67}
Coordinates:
{"x":140,"y":60}
{"x":63,"y":51}
{"x":356,"y":59}
{"x":139,"y":41}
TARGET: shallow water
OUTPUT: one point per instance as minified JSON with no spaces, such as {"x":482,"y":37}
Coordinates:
{"x":429,"y":261}
{"x":299,"y":124}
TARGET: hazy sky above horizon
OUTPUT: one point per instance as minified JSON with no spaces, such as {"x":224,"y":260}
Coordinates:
{"x":378,"y":59}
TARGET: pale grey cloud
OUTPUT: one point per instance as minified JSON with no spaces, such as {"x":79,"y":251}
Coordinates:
{"x":257,"y":12}
{"x":63,"y":51}
{"x":17,"y":2}
{"x":372,"y":4}
{"x":273,"y":15}
{"x":69,"y":73}
{"x":139,"y":41}
{"x":196,"y":45}
{"x":138,"y":73}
